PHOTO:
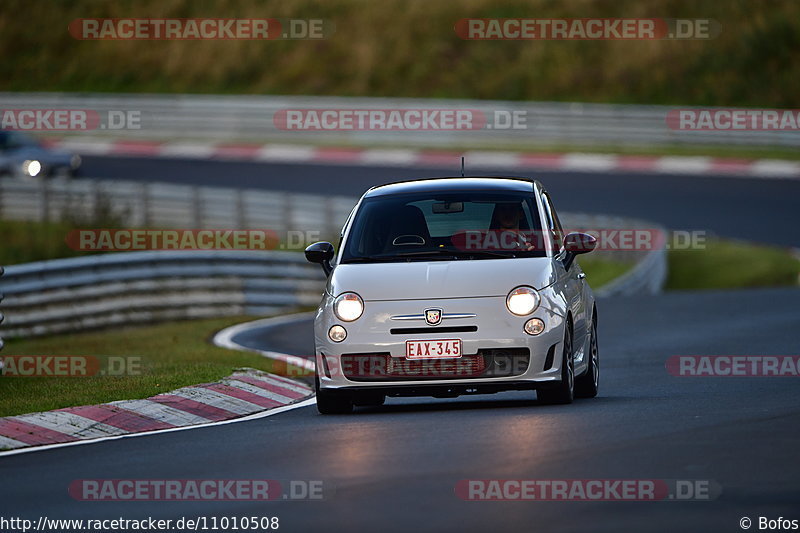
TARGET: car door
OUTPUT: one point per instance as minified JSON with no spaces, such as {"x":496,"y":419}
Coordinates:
{"x":574,"y":278}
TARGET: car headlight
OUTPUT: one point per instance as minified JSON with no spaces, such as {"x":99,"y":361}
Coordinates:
{"x":522,"y":301}
{"x":348,"y":306}
{"x":31,"y":167}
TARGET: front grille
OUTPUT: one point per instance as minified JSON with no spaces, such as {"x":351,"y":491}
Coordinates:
{"x":430,"y":330}
{"x":486,"y":363}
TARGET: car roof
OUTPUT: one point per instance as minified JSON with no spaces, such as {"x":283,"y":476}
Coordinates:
{"x":477,"y":183}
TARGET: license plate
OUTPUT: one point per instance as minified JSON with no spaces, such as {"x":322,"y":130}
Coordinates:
{"x":438,"y":349}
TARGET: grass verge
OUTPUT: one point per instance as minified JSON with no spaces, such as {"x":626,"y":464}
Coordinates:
{"x":410,"y":48}
{"x":601,"y":271}
{"x":732,"y":265}
{"x":173,"y":355}
{"x":25,"y":241}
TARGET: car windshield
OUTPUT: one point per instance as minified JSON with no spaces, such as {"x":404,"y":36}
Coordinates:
{"x":445,"y":226}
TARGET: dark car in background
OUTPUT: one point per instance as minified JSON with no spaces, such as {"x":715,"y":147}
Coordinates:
{"x":23,"y":156}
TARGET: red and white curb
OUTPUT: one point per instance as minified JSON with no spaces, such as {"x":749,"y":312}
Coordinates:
{"x":245,"y":393}
{"x":476,"y":159}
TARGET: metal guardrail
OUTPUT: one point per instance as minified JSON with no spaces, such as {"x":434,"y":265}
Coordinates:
{"x":73,"y":294}
{"x":142,"y":204}
{"x":647,"y":277}
{"x":223,"y":118}
{"x":649,"y":271}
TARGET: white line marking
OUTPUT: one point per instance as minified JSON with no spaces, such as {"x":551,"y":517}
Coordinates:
{"x":588,"y":162}
{"x":187,"y":150}
{"x":223,"y":339}
{"x":488,"y":159}
{"x":91,"y":147}
{"x":683,"y":165}
{"x":402,"y":158}
{"x":285,"y":152}
{"x":774,"y":168}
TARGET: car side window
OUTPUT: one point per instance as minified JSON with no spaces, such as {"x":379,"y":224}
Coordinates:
{"x":553,"y":223}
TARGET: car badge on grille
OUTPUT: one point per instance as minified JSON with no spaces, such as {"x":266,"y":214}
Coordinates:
{"x":433,"y":316}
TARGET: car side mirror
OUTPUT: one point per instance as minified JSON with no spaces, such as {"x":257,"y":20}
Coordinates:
{"x":577,"y":243}
{"x":322,"y":253}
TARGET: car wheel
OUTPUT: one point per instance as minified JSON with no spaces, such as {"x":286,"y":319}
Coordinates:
{"x":332,"y":402}
{"x":564,"y":392}
{"x":587,"y":385}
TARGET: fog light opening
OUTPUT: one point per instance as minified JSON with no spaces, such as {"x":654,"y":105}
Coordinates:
{"x":337,"y":333}
{"x":534,"y":326}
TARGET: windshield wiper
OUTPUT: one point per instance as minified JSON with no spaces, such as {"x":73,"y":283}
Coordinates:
{"x":480,"y":253}
{"x":393,"y":257}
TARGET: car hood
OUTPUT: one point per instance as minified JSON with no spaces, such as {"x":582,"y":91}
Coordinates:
{"x":418,"y":280}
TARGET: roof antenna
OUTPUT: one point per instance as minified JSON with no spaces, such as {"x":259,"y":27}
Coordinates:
{"x":462,"y":166}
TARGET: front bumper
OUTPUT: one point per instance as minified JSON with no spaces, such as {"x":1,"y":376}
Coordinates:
{"x":493,"y":332}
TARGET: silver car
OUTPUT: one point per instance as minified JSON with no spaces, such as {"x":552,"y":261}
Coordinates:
{"x":451,"y":286}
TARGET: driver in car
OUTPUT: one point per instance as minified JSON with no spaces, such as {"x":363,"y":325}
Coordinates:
{"x":506,"y":224}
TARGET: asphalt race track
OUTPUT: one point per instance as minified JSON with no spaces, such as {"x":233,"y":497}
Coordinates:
{"x":761,"y":210}
{"x":395,"y":468}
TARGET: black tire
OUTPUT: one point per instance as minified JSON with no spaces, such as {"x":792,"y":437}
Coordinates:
{"x":587,"y":385}
{"x":332,"y":403}
{"x":564,"y":391}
